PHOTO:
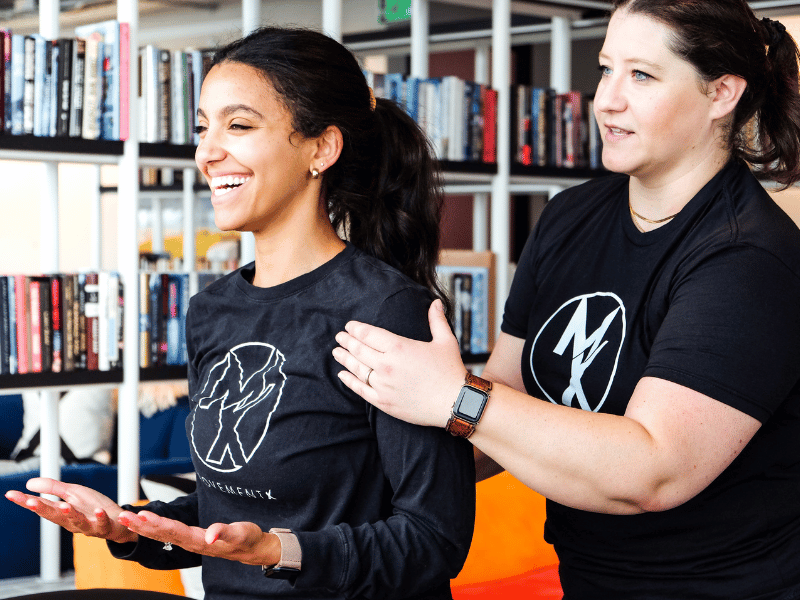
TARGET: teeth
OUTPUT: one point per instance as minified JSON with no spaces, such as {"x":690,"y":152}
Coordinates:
{"x":225,"y":183}
{"x":617,"y":131}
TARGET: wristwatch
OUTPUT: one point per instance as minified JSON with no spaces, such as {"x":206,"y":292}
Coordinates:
{"x":469,"y":406}
{"x":288,"y":567}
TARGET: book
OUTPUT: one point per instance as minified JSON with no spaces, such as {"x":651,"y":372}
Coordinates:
{"x":109,"y":74}
{"x":41,"y":89}
{"x":17,"y":83}
{"x":34,"y":310}
{"x":490,"y":126}
{"x":103,"y":321}
{"x":5,"y":323}
{"x":144,"y":320}
{"x":92,"y":324}
{"x":5,"y":109}
{"x":56,"y":307}
{"x":28,"y":94}
{"x":22,"y":309}
{"x":164,"y":95}
{"x":64,"y":86}
{"x":124,"y":80}
{"x":12,"y":326}
{"x":68,"y":321}
{"x":77,"y":87}
{"x":93,"y":87}
{"x":45,"y":321}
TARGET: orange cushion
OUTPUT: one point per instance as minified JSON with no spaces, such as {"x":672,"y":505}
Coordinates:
{"x":509,"y":535}
{"x":96,"y":568}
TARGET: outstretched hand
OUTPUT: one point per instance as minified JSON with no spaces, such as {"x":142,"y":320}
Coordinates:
{"x":417,"y":382}
{"x":80,"y":510}
{"x":83,"y":510}
{"x":242,"y":541}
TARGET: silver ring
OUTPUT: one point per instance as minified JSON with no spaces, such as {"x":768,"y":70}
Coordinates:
{"x":366,"y":379}
{"x":167,"y":546}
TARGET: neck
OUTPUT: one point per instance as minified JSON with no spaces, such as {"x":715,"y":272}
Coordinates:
{"x":291,"y":251}
{"x":662,"y":197}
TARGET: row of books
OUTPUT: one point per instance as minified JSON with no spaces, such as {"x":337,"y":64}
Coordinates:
{"x":61,"y":322}
{"x":459,"y":117}
{"x":76,"y":87}
{"x":556,"y":130}
{"x":468,"y":288}
{"x":170,"y":83}
{"x":73,"y":321}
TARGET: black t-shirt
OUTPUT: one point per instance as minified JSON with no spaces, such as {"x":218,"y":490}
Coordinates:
{"x":382,"y":509}
{"x":711,"y":301}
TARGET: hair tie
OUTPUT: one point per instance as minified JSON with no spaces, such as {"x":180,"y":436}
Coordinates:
{"x":775,"y":30}
{"x":372,"y":101}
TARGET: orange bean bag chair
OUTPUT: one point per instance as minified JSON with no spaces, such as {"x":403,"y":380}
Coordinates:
{"x":509,"y":558}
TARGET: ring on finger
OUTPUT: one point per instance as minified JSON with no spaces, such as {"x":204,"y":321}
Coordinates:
{"x":366,"y":379}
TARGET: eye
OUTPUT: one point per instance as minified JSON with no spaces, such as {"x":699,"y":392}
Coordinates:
{"x":240,"y":126}
{"x":604,"y":71}
{"x":641,"y":75}
{"x":199,"y":129}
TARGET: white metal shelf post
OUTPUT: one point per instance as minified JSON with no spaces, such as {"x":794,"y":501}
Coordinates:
{"x":420,"y":25}
{"x":128,"y":266}
{"x":332,"y":18}
{"x":50,"y":534}
{"x":501,"y":196}
{"x":480,"y":200}
{"x":560,"y":66}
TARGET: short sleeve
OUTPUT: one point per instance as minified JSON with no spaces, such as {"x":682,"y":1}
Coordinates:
{"x":732,"y":331}
{"x":523,"y":290}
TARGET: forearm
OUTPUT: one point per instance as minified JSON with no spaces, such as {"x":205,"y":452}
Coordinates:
{"x":595,"y":462}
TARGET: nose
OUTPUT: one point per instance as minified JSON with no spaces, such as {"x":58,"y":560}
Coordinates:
{"x":610,"y":95}
{"x":209,"y":149}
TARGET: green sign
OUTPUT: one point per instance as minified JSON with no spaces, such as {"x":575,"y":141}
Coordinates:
{"x":395,"y":10}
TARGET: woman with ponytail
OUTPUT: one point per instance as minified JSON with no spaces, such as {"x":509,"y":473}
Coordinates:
{"x":647,"y":376}
{"x":304,"y":490}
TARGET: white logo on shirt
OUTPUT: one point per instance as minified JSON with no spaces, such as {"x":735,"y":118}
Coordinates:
{"x":585,"y":348}
{"x":247,"y":382}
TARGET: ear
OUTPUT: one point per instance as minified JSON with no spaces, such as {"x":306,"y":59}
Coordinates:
{"x":328,"y":148}
{"x":725,"y":93}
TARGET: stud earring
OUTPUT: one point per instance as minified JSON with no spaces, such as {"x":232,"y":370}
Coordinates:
{"x":314,"y":173}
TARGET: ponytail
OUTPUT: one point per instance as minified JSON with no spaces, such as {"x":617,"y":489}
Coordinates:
{"x":384,"y":191}
{"x":396,"y":219}
{"x":777,"y":121}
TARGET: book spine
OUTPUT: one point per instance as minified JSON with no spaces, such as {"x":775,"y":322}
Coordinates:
{"x":184,"y":307}
{"x":56,"y":305}
{"x":102,"y":322}
{"x":28,"y":93}
{"x":78,"y":74}
{"x":465,"y":303}
{"x":173,"y":321}
{"x":490,"y":126}
{"x":164,"y":95}
{"x":92,"y":87}
{"x":64,"y":86}
{"x":67,"y":291}
{"x":12,"y":328}
{"x":480,"y":315}
{"x":41,"y":62}
{"x":80,"y":323}
{"x":5,"y":323}
{"x":17,"y":83}
{"x":114,"y":317}
{"x":22,"y":306}
{"x":124,"y":80}
{"x":34,"y":310}
{"x":54,"y":93}
{"x":144,"y":320}
{"x":92,"y":312}
{"x":5,"y":69}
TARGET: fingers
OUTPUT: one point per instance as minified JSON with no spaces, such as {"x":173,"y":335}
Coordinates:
{"x":440,"y":328}
{"x":45,"y":485}
{"x":373,"y":338}
{"x":165,"y":530}
{"x":367,"y":392}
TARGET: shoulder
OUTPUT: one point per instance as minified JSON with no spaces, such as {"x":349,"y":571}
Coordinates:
{"x":579,"y":200}
{"x":379,"y":281}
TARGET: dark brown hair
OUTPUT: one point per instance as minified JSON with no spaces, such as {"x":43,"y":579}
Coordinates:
{"x":384,"y":191}
{"x":724,"y":37}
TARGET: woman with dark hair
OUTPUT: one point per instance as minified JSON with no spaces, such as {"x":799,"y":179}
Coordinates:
{"x":647,"y":376}
{"x":298,"y":477}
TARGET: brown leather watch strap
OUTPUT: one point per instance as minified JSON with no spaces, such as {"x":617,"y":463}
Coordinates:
{"x":477,"y":382}
{"x":459,"y":427}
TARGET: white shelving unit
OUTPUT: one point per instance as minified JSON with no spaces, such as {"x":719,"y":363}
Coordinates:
{"x":130,"y":155}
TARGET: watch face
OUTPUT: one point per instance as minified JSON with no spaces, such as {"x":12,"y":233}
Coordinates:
{"x":470,"y":404}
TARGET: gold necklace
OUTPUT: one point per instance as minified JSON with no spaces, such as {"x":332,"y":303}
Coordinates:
{"x":645,"y":219}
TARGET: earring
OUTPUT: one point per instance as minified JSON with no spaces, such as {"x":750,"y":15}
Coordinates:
{"x":315,"y":173}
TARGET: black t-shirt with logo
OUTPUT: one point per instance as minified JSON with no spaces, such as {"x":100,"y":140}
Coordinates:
{"x":711,"y":301}
{"x":382,"y":508}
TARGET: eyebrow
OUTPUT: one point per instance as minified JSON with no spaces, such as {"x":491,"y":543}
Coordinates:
{"x":639,"y":61}
{"x":231,"y":109}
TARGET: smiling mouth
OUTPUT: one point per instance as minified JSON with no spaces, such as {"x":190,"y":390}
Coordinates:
{"x":223,"y":185}
{"x":618,"y":131}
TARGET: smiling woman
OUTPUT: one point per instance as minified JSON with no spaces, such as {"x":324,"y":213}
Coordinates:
{"x":304,"y":490}
{"x":647,"y":377}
